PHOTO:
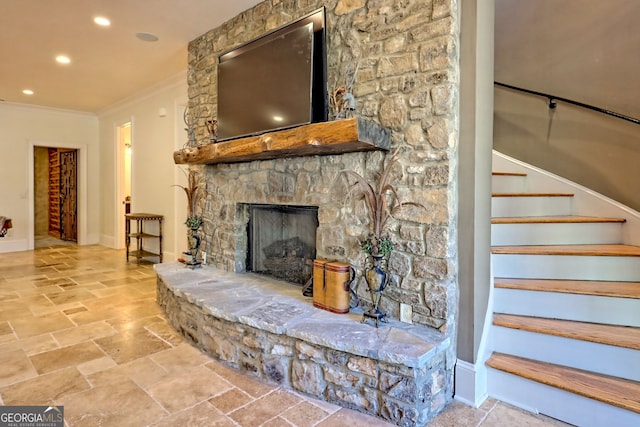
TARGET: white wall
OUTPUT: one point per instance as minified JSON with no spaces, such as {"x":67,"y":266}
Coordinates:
{"x":22,"y":127}
{"x":154,"y":139}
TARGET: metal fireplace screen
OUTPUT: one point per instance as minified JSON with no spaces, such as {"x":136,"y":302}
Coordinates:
{"x":282,"y":241}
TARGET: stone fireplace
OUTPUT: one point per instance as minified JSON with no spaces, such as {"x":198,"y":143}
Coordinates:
{"x":406,"y":55}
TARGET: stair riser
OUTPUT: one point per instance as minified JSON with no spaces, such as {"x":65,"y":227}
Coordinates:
{"x":594,"y":357}
{"x":582,"y":308}
{"x":569,"y":267}
{"x":530,"y":206}
{"x":556,"y":403}
{"x":556,"y":234}
{"x":508,"y":184}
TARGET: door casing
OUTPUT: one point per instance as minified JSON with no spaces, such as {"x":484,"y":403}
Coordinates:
{"x":82,"y":188}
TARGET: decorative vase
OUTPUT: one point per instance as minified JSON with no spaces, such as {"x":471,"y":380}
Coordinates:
{"x":194,"y":246}
{"x":376,"y":276}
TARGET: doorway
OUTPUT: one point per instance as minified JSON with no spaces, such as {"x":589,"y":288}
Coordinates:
{"x":124,"y":139}
{"x":55,"y":196}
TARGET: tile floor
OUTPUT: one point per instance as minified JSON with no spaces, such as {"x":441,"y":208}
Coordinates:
{"x":79,"y":327}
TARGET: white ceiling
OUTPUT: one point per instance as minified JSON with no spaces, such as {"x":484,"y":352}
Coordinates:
{"x":584,"y":50}
{"x":108,"y":64}
{"x":587,"y":50}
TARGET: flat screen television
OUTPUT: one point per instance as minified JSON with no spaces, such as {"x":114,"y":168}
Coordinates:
{"x":276,"y":81}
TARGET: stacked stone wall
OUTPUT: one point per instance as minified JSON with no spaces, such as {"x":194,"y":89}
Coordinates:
{"x":407,"y":81}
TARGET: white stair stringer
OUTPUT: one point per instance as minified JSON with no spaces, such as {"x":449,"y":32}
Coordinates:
{"x":566,"y":406}
{"x":591,"y":356}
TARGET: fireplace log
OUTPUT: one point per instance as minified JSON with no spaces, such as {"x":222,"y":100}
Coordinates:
{"x":335,"y":137}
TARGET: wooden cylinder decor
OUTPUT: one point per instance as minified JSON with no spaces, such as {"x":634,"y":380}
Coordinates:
{"x":331,"y":285}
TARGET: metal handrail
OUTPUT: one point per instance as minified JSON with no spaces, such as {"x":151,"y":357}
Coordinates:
{"x":553,"y":102}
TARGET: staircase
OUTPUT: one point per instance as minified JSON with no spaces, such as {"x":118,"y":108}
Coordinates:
{"x":566,"y":301}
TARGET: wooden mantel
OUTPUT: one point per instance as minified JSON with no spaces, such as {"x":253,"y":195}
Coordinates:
{"x":335,"y":137}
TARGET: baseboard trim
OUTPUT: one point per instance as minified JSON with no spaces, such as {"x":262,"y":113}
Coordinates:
{"x":108,"y":241}
{"x":470,"y":383}
{"x":13,"y":245}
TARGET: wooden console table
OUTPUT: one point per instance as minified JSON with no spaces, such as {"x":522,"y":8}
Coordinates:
{"x":139,"y":235}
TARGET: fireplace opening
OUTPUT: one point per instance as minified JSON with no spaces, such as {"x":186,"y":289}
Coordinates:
{"x":282,"y":241}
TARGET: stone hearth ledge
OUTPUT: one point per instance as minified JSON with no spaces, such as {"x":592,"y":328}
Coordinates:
{"x":280,"y":308}
{"x":399,"y":372}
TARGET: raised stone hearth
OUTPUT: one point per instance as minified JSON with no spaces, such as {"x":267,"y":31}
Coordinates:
{"x":266,"y":328}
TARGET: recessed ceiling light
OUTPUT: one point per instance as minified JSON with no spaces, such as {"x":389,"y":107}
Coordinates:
{"x":102,"y":21}
{"x":147,"y":37}
{"x":28,"y":92}
{"x":63,"y":59}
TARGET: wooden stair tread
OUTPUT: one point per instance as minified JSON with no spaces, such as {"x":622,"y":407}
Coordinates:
{"x":583,"y":287}
{"x":532,"y":195}
{"x":618,"y":336}
{"x":580,"y":250}
{"x":508,"y":174}
{"x":564,"y":219}
{"x":611,"y":390}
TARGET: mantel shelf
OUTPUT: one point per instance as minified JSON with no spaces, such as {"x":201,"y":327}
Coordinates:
{"x":335,"y":137}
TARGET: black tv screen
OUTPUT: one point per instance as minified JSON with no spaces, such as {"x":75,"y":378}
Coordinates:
{"x":274,"y":82}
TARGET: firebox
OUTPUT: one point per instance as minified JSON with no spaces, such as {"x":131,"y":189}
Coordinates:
{"x":282,"y":241}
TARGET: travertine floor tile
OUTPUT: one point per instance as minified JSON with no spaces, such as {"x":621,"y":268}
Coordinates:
{"x":8,"y":296}
{"x":131,"y":345}
{"x":46,"y":281}
{"x":66,"y":356}
{"x":276,"y":422}
{"x":142,"y":371}
{"x":74,"y":310}
{"x":180,"y":358}
{"x":265,"y":408}
{"x":230,"y":400}
{"x":44,"y":310}
{"x":96,"y":365}
{"x":93,"y":314}
{"x":251,"y":386}
{"x":125,"y":291}
{"x":15,"y":366}
{"x":87,"y":278}
{"x":459,"y":414}
{"x":13,"y":310}
{"x":117,"y":405}
{"x":36,"y":325}
{"x":304,"y":414}
{"x":45,"y":388}
{"x":165,"y":332}
{"x":507,"y":415}
{"x":201,"y":415}
{"x":37,"y":344}
{"x":347,"y":417}
{"x":90,"y":331}
{"x":188,"y":388}
{"x":5,"y":329}
{"x":70,"y":295}
{"x":39,"y":301}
